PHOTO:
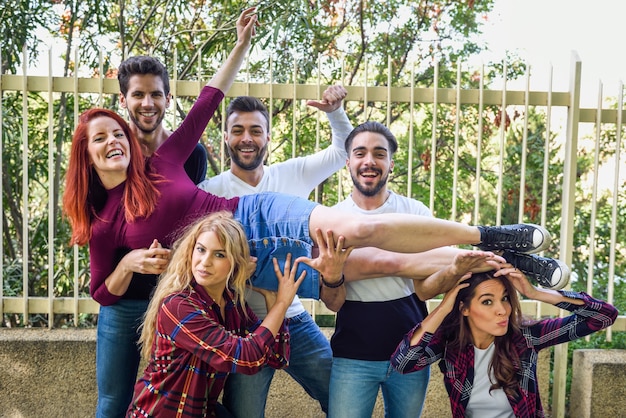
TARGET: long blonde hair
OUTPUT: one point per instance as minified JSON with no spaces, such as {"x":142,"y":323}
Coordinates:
{"x":178,"y":276}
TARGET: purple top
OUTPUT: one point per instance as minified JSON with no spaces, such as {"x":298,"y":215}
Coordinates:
{"x":180,"y":203}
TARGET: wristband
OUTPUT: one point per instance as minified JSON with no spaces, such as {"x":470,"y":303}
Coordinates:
{"x":333,"y":285}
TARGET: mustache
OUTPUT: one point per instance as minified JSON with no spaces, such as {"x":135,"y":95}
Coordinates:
{"x":370,"y":170}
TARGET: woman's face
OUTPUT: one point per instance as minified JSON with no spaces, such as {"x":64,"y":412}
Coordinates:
{"x":109,"y":150}
{"x":488,"y":313}
{"x":209,"y":263}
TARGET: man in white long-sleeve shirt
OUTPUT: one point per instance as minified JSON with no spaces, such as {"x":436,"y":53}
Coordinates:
{"x":247,"y":137}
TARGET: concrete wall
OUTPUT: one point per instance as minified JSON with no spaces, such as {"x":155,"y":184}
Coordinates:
{"x":51,"y":373}
{"x":598,"y":384}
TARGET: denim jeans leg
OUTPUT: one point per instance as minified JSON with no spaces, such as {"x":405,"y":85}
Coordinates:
{"x":311,"y":358}
{"x":404,"y":394}
{"x":245,"y":395}
{"x":117,"y":356}
{"x":354,"y":387}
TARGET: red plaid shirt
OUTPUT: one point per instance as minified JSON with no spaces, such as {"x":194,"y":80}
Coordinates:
{"x":195,"y":350}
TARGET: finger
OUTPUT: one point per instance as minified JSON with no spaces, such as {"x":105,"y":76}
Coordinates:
{"x":330,"y":239}
{"x":279,"y":273}
{"x":321,"y":242}
{"x":298,"y":282}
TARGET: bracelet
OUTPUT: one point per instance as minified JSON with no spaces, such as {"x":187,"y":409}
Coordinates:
{"x":333,"y":285}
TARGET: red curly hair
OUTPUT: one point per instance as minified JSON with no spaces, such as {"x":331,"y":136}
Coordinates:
{"x":84,"y":193}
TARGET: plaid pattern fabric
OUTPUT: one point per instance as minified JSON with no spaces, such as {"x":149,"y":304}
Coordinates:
{"x":458,"y":368}
{"x":195,"y":350}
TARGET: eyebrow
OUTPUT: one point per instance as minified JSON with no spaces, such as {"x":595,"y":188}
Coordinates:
{"x":375,"y":149}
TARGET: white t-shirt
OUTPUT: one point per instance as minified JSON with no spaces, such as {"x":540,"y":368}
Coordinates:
{"x":296,"y":176}
{"x":483,"y":403}
{"x":384,"y":288}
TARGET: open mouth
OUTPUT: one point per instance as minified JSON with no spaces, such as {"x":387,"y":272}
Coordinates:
{"x":114,"y":153}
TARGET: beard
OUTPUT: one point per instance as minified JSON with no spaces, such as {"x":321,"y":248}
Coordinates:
{"x":143,"y":128}
{"x":252,"y":165}
{"x":372,"y":190}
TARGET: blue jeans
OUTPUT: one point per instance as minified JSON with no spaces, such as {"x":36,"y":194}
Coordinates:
{"x":117,"y":355}
{"x":277,"y":224}
{"x":354,"y":387}
{"x":309,"y":365}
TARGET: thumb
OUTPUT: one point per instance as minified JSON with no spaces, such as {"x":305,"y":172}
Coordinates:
{"x":316,"y":104}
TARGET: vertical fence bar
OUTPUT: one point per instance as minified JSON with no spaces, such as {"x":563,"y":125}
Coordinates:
{"x":389,"y":81}
{"x":51,"y":194}
{"x":479,"y":144}
{"x":270,"y":107}
{"x":546,"y":153}
{"x":365,"y":92}
{"x":25,"y":214}
{"x":503,"y":116}
{"x":317,"y":126}
{"x":433,"y":141}
{"x":614,"y":214}
{"x":457,"y":133}
{"x":567,"y":222}
{"x":594,"y":194}
{"x":522,"y":184}
{"x":409,"y":174}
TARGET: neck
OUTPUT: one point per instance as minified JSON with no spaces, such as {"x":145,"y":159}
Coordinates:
{"x":150,"y":141}
{"x":370,"y":202}
{"x":251,"y":177}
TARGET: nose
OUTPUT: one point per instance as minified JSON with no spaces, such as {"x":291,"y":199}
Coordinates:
{"x":112,"y":139}
{"x":147,"y":101}
{"x":370,"y":160}
{"x":501,"y":309}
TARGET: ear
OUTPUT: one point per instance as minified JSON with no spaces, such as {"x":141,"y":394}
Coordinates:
{"x":464,"y":311}
{"x":391,"y":165}
{"x":122,"y":101}
{"x":168,"y":98}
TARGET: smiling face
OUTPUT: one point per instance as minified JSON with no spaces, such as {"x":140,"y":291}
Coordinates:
{"x":488,"y":312}
{"x":109,"y":150}
{"x":146,"y":102}
{"x":210,"y":264}
{"x":247,"y":139}
{"x":369,"y":162}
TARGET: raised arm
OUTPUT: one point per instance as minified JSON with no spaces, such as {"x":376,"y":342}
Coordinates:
{"x":225,"y":76}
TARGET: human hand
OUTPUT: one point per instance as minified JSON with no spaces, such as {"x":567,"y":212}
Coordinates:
{"x":331,"y":256}
{"x":246,"y":25}
{"x":287,"y":283}
{"x":449,"y":298}
{"x":476,"y":262}
{"x":518,"y":280}
{"x":331,"y":99}
{"x":153,"y":260}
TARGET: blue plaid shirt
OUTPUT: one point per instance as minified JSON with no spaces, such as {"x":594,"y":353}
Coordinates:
{"x":458,"y":367}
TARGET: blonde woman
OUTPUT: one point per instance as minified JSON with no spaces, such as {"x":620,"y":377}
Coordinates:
{"x":197,"y":329}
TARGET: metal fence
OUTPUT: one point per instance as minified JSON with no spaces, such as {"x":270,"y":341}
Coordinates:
{"x":580,"y":125}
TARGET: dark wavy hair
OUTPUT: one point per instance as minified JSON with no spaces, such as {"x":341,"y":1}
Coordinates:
{"x":458,"y":335}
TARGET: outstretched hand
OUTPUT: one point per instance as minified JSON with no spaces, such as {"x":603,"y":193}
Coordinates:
{"x":331,"y":258}
{"x":246,"y":25}
{"x":331,"y":99}
{"x":287,"y":283}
